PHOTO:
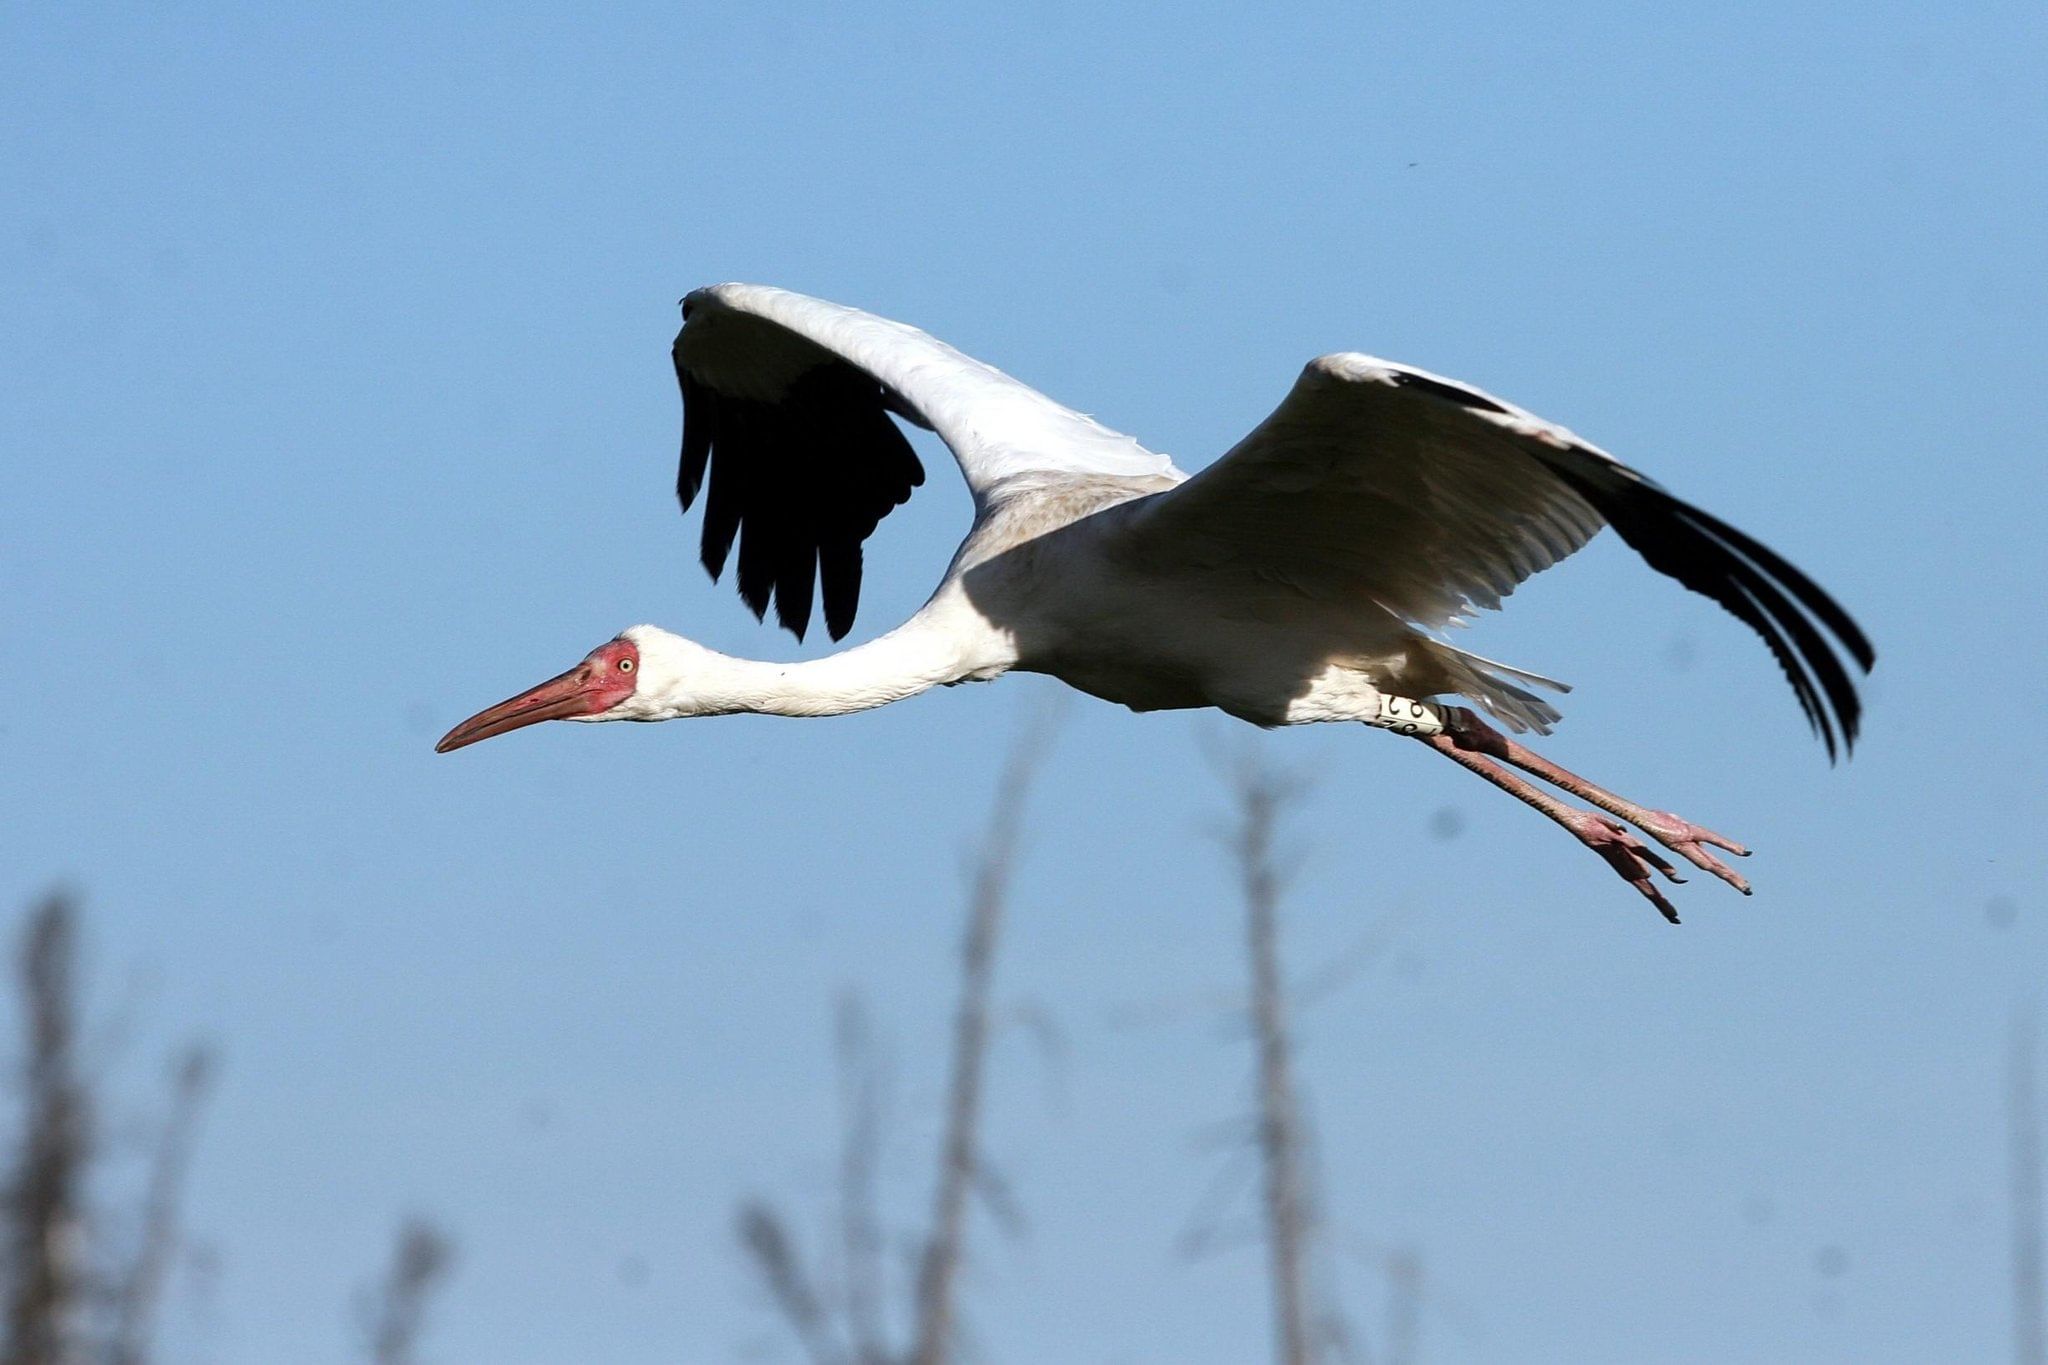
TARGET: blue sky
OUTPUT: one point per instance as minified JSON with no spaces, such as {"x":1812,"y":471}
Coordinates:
{"x":336,"y":404}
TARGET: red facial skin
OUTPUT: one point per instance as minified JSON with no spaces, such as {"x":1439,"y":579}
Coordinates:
{"x":605,"y":678}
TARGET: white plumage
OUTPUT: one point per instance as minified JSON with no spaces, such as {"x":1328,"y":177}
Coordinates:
{"x":755,"y":341}
{"x":1301,"y":577}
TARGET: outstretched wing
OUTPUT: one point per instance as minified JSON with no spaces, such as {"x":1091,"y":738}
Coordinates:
{"x":1391,"y":485}
{"x":787,"y":402}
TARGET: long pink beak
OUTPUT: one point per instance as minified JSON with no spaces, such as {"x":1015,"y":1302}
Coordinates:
{"x":567,"y":695}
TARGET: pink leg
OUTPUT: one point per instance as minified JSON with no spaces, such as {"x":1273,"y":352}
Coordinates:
{"x":1687,"y":840}
{"x":1625,"y":853}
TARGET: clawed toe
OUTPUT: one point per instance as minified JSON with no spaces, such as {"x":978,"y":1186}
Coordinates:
{"x":1628,"y":856}
{"x":1476,"y":745}
{"x":1690,"y":841}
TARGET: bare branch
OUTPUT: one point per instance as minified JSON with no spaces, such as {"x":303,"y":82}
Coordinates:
{"x":1262,"y":795}
{"x":136,"y":1298}
{"x":862,"y":1085}
{"x":959,"y":1158}
{"x":1049,"y":1040}
{"x":1207,"y":1230}
{"x":999,"y":1199}
{"x":767,"y":1240}
{"x":45,"y":1215}
{"x":420,"y":1261}
{"x":1342,"y":968}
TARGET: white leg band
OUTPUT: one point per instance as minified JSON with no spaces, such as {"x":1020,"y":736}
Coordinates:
{"x":1406,"y":717}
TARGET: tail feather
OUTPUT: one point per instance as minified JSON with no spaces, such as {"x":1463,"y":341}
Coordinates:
{"x":1496,"y":688}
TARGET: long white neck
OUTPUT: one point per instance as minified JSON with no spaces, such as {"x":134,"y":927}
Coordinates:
{"x":920,"y":654}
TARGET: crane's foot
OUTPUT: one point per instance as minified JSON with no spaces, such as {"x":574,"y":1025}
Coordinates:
{"x":1629,"y":856}
{"x":1689,"y":841}
{"x":1471,"y":743}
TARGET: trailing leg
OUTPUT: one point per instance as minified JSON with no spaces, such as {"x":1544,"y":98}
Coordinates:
{"x":1627,"y":855}
{"x":1689,"y":841}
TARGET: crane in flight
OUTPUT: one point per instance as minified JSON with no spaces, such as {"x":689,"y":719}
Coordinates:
{"x":1298,"y":579}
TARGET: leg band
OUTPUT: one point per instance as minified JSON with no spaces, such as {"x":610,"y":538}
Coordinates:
{"x":1408,"y":717}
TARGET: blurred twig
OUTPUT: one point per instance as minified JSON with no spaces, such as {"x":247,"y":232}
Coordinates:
{"x":69,"y":1297}
{"x":1261,"y":795}
{"x":961,"y":1170}
{"x":841,"y":1318}
{"x":44,"y":1226}
{"x":774,"y":1254}
{"x":862,"y":1086}
{"x":137,"y":1295}
{"x":396,"y":1311}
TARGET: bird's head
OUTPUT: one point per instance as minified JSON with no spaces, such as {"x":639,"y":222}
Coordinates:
{"x":632,"y":677}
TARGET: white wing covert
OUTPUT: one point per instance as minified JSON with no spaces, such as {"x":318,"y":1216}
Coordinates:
{"x":787,"y":403}
{"x":1377,"y":482}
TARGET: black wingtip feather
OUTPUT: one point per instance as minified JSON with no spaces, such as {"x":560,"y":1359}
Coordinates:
{"x":795,"y":578}
{"x":797,"y":483}
{"x":1812,"y":648}
{"x":839,"y":571}
{"x":726,"y":503}
{"x":698,"y":420}
{"x":1758,"y":618}
{"x":1752,"y":582}
{"x":757,"y":587}
{"x":1805,"y":589}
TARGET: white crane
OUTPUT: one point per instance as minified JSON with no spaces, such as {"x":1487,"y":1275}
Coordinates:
{"x":1297,"y":579}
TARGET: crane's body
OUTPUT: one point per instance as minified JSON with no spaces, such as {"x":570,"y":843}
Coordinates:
{"x":1157,"y":637}
{"x":1300,"y":578}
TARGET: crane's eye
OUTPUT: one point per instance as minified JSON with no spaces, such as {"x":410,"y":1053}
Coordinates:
{"x":625,"y":665}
